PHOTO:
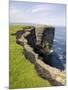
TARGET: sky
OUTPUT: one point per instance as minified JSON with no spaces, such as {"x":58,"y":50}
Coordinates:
{"x":38,"y":13}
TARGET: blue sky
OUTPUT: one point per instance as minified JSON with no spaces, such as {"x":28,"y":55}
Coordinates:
{"x":40,"y":13}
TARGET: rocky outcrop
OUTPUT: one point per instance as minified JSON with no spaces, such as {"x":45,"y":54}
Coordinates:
{"x":31,"y":37}
{"x":45,"y":36}
{"x":28,"y":40}
{"x":30,"y":54}
{"x":53,"y":75}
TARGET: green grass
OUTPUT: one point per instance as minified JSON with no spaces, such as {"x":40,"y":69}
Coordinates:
{"x":21,"y":72}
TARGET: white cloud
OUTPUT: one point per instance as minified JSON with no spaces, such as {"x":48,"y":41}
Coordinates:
{"x":39,"y":8}
{"x":45,"y":7}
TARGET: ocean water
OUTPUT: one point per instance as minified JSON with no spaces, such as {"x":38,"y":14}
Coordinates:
{"x":59,"y":45}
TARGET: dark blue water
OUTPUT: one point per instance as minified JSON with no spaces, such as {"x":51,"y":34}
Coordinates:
{"x":59,"y":45}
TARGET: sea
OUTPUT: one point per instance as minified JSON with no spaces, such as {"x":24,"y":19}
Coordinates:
{"x":59,"y":45}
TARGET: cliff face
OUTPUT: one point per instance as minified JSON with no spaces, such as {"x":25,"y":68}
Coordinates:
{"x":38,"y":42}
{"x":41,"y":36}
{"x":48,"y":36}
{"x":32,"y":37}
{"x":44,"y":35}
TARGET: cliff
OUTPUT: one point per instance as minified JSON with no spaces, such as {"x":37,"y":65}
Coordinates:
{"x":37,"y":43}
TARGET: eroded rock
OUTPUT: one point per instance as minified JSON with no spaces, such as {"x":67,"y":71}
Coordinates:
{"x":29,"y":40}
{"x":53,"y":75}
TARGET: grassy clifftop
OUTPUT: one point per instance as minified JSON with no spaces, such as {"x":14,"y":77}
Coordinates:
{"x":21,"y":71}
